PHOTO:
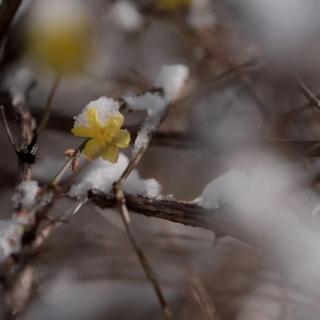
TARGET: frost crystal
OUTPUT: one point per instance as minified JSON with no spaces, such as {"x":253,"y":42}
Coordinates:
{"x":102,"y":175}
{"x":171,"y":79}
{"x":106,"y":107}
{"x":25,"y":194}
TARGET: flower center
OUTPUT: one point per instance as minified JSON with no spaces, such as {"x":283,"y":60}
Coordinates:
{"x":104,"y":134}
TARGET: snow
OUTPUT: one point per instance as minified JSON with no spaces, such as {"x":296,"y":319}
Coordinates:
{"x":19,"y":83}
{"x":106,"y":108}
{"x":102,"y":175}
{"x":150,"y":125}
{"x":254,"y":190}
{"x":25,"y":194}
{"x":147,"y":101}
{"x":172,"y":79}
{"x":125,"y":15}
{"x":222,"y":189}
{"x":155,"y":105}
{"x":10,"y":234}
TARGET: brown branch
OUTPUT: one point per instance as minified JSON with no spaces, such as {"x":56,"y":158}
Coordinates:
{"x":190,"y":214}
{"x":8,"y":10}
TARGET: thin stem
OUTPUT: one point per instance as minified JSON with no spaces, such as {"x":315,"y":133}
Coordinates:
{"x":67,"y":164}
{"x":308,"y":94}
{"x":141,"y":256}
{"x":46,"y":114}
{"x":54,"y":223}
{"x":124,"y":212}
{"x":7,"y":128}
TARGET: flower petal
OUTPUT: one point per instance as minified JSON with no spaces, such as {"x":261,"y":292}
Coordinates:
{"x":93,"y":148}
{"x":114,"y":122}
{"x":123,"y":138}
{"x":111,"y":154}
{"x":93,"y":118}
{"x":83,"y":131}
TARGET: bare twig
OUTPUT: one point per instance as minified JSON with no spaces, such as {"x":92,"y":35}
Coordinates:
{"x":121,"y":202}
{"x":7,"y":128}
{"x":141,"y":255}
{"x":56,"y":222}
{"x":66,"y":166}
{"x":46,"y":113}
{"x":201,"y":295}
{"x":313,"y":100}
{"x":8,"y":9}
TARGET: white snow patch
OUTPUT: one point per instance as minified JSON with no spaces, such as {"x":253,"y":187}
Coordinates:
{"x":102,"y":175}
{"x":147,"y":101}
{"x":125,"y":15}
{"x":171,"y":79}
{"x":25,"y":194}
{"x":150,"y":125}
{"x":19,"y":83}
{"x":106,"y":108}
{"x":10,"y":235}
{"x":222,"y":189}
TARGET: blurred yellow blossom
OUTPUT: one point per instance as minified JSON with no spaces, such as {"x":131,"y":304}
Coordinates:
{"x":103,"y":127}
{"x":173,"y":4}
{"x":59,"y":35}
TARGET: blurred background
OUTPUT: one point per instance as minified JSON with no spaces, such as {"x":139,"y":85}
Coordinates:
{"x":249,"y":104}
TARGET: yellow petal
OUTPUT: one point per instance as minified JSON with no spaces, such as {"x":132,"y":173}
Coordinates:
{"x":123,"y":138}
{"x":93,"y":118}
{"x":114,"y":122}
{"x":83,"y":131}
{"x":93,"y":148}
{"x":111,"y":154}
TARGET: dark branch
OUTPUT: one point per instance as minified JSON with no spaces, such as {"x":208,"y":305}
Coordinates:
{"x":8,"y":9}
{"x":190,"y":214}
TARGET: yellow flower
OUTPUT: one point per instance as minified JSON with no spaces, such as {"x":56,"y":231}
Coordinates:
{"x":106,"y":138}
{"x":59,"y":35}
{"x":171,"y":5}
